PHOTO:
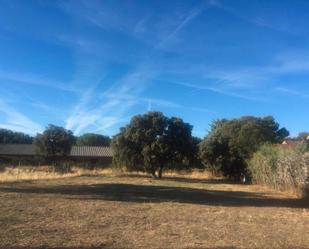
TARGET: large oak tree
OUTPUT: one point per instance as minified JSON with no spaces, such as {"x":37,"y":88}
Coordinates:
{"x":152,"y":142}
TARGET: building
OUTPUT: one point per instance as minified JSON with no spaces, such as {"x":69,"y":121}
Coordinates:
{"x":290,"y":143}
{"x":293,"y":143}
{"x":25,"y":154}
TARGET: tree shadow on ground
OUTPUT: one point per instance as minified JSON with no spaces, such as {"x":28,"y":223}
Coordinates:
{"x":159,"y":194}
{"x":181,"y":179}
{"x":204,"y":181}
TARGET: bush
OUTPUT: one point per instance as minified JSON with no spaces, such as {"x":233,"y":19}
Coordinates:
{"x":281,"y":168}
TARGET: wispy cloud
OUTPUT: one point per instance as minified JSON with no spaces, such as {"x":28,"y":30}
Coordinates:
{"x":242,"y":80}
{"x":238,"y":79}
{"x":31,"y":79}
{"x":115,"y":101}
{"x":113,"y":104}
{"x":217,"y":90}
{"x":290,"y":64}
{"x":17,"y":121}
{"x":258,"y":18}
{"x":85,"y":117}
{"x":99,"y":13}
{"x":152,"y":28}
{"x":293,"y":92}
{"x":153,"y":103}
{"x":186,"y":20}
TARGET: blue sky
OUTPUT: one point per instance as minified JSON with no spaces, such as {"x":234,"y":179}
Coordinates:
{"x":91,"y":65}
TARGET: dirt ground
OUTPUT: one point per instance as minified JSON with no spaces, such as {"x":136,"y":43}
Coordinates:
{"x":139,"y":212}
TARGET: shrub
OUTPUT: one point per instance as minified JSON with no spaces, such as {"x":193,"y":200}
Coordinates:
{"x":281,"y":168}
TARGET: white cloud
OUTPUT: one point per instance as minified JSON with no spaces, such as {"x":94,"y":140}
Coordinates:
{"x":248,"y":79}
{"x":17,"y":121}
{"x":114,"y":102}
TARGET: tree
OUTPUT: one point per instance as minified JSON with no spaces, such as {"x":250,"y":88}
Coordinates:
{"x":92,"y":139}
{"x":152,"y":142}
{"x":54,"y":140}
{"x":230,"y":143}
{"x":303,"y":136}
{"x":12,"y":137}
{"x":196,"y":161}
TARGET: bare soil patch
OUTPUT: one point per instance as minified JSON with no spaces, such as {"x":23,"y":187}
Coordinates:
{"x":139,"y":212}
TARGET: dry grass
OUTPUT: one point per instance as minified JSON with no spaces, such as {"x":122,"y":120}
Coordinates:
{"x":13,"y":174}
{"x":116,"y":210}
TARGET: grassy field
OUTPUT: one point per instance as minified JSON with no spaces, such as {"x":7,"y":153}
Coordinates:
{"x":139,"y":212}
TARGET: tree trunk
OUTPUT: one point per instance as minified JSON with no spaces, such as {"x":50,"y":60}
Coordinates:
{"x":160,"y":172}
{"x":153,"y":173}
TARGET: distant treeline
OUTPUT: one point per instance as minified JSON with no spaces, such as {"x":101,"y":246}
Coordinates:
{"x":87,"y":139}
{"x":153,"y":142}
{"x":12,"y":137}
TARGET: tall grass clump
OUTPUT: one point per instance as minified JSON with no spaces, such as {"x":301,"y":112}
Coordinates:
{"x":264,"y":164}
{"x":283,"y":168}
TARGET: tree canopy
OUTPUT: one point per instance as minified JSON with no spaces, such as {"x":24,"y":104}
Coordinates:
{"x":12,"y":137}
{"x":54,"y":140}
{"x":303,"y":136}
{"x":152,"y":141}
{"x":230,"y":143}
{"x":92,"y":139}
